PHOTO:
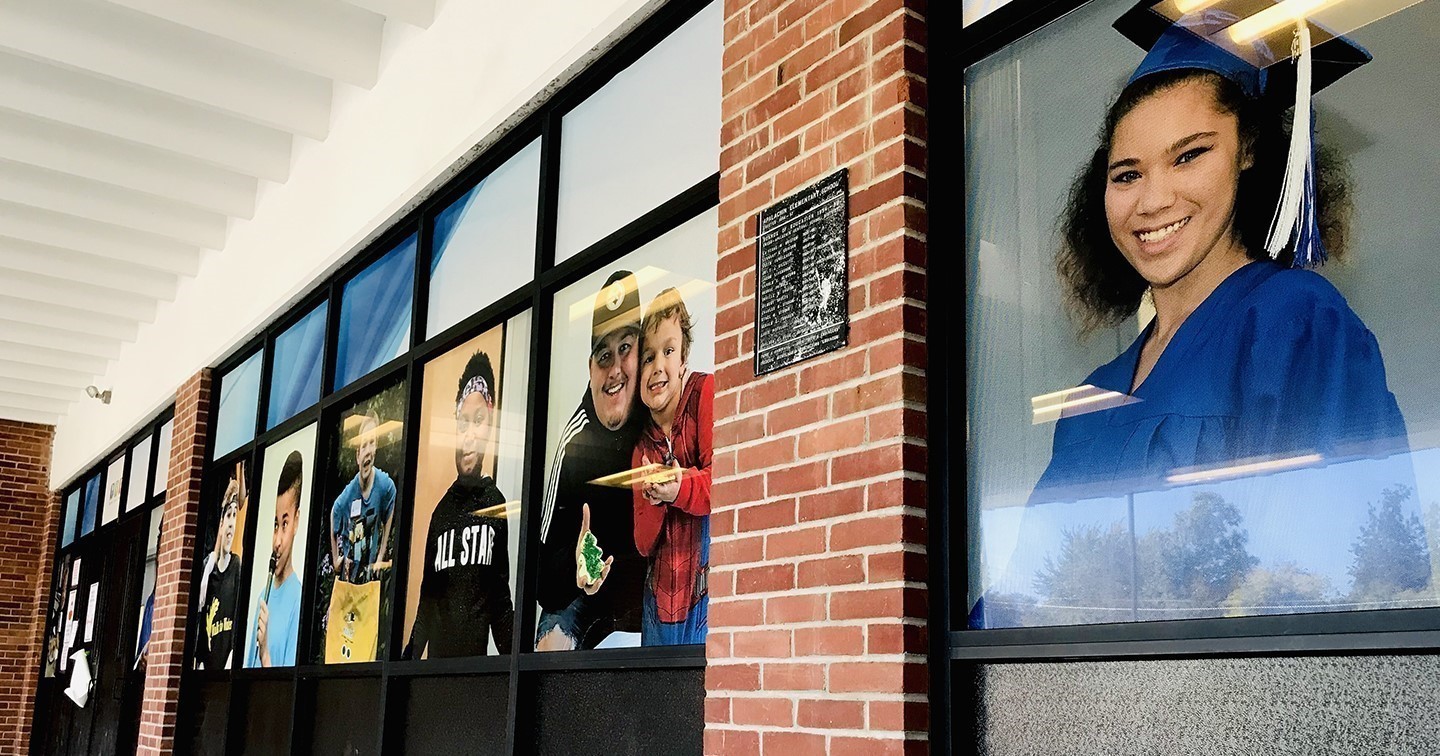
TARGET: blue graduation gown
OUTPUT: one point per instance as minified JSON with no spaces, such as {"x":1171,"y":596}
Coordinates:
{"x":1273,"y":364}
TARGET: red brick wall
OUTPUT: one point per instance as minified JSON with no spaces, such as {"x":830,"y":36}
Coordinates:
{"x":28,"y":519}
{"x":818,"y":604}
{"x":166,"y":660}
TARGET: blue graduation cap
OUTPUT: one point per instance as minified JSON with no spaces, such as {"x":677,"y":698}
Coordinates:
{"x":1220,"y":37}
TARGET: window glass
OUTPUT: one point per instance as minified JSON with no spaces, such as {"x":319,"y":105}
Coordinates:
{"x":220,"y":566}
{"x":92,"y":505}
{"x":282,"y":530}
{"x":145,"y":612}
{"x":239,"y":401}
{"x":162,"y":458}
{"x":615,"y":380}
{"x":1232,"y":436}
{"x":484,"y":243}
{"x":624,"y":151}
{"x":139,"y":473}
{"x":299,"y":360}
{"x":465,"y":535}
{"x":355,"y":520}
{"x":114,"y":489}
{"x":375,"y":314}
{"x":72,"y":517}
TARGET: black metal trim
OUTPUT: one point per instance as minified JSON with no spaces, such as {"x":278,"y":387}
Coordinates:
{"x":1009,"y":23}
{"x":651,"y":657}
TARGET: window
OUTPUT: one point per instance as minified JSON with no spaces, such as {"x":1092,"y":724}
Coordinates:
{"x":375,"y":314}
{"x":633,"y":347}
{"x":625,"y":150}
{"x":287,"y":483}
{"x":114,"y":489}
{"x":355,"y":519}
{"x":484,"y":242}
{"x":299,"y":360}
{"x":162,"y":458}
{"x":239,"y":403}
{"x":1278,"y":457}
{"x":465,"y":522}
{"x":139,"y":473}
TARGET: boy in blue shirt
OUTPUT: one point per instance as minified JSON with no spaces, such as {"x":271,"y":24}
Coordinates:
{"x":277,"y":616}
{"x":360,"y":518}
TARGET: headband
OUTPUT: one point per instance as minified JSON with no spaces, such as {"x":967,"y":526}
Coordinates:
{"x":476,"y":385}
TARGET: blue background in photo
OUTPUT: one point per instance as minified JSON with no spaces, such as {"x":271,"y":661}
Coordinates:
{"x":375,"y":314}
{"x":239,"y":398}
{"x":299,"y":359}
{"x":92,"y":504}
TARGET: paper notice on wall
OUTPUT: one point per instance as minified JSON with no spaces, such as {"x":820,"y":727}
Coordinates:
{"x":90,"y":612}
{"x":69,"y":631}
{"x":75,"y":574}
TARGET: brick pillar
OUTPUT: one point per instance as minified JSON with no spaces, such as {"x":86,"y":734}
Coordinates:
{"x":818,"y":606}
{"x":166,"y":660}
{"x":28,"y":519}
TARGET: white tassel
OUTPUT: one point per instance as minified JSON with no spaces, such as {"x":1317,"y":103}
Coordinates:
{"x":1287,"y":215}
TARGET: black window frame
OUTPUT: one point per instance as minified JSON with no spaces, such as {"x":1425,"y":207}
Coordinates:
{"x":535,"y":297}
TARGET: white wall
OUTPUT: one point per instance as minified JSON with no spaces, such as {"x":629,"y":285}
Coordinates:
{"x":440,"y":91}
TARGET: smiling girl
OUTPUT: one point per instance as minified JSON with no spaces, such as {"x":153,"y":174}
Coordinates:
{"x":1248,"y":360}
{"x":672,"y":507}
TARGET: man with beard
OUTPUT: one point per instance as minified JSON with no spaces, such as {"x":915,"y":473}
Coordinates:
{"x":579,"y":610}
{"x":220,"y":583}
{"x":465,"y":586}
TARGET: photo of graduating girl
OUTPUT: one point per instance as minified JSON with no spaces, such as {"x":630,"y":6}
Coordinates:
{"x":1253,"y":390}
{"x":1250,"y":357}
{"x":672,"y":505}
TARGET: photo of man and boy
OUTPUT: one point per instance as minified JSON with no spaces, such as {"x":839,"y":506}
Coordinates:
{"x":352,"y":605}
{"x":220,"y":576}
{"x":465,"y":605}
{"x":624,"y":533}
{"x":275,"y":588}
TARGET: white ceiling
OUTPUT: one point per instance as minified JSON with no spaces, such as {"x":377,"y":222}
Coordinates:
{"x":131,"y":131}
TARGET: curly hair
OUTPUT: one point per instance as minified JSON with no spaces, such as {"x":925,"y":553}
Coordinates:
{"x":1101,"y":287}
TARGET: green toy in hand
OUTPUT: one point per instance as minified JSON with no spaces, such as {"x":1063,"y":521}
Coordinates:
{"x":594,"y":559}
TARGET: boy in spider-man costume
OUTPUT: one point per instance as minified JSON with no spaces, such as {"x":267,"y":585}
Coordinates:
{"x":672,"y":507}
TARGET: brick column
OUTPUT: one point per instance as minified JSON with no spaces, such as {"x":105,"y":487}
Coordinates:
{"x":166,"y":660}
{"x":818,"y":604}
{"x":28,"y":519}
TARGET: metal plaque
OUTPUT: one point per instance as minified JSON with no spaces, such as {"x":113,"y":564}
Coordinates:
{"x":802,"y":287}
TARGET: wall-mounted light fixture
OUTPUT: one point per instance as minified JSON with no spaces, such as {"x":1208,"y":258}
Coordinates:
{"x":94,"y":392}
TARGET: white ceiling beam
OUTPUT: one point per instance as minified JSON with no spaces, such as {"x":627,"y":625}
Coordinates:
{"x":60,"y":378}
{"x":62,"y":193}
{"x":101,"y":239}
{"x":41,"y":389}
{"x":29,"y":334}
{"x":414,"y":12}
{"x":24,"y":415}
{"x":28,"y":287}
{"x":66,"y":319}
{"x":333,"y":40}
{"x":82,"y":267}
{"x":118,"y":162}
{"x":54,"y":358}
{"x":124,"y":46}
{"x":45,"y":91}
{"x":46,"y":404}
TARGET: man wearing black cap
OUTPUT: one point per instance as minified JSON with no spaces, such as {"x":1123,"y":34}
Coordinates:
{"x":579,"y":609}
